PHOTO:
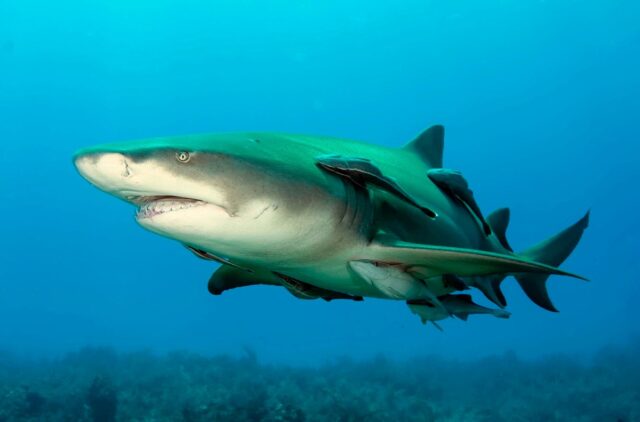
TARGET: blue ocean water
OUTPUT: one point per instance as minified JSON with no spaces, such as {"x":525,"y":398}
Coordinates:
{"x":540,"y":99}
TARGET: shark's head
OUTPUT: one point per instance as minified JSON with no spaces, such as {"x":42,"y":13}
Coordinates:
{"x":203,"y":191}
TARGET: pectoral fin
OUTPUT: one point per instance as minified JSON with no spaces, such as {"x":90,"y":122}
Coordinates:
{"x":454,"y":184}
{"x":436,"y":260}
{"x":362,"y":172}
{"x":227,"y":277}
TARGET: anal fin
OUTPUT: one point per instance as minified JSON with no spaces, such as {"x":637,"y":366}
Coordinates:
{"x":490,"y":287}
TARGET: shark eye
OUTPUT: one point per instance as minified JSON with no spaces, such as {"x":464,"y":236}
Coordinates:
{"x":183,"y":156}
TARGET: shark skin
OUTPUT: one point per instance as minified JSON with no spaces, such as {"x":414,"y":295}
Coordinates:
{"x":324,"y":217}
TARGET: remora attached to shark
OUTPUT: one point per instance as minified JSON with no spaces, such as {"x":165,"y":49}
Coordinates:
{"x":328,"y":218}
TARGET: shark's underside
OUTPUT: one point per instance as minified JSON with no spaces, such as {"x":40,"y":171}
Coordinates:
{"x":329,"y":218}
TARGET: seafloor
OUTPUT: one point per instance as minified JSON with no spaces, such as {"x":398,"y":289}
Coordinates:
{"x":99,"y":384}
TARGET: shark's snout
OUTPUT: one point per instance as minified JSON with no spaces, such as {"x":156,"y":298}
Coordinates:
{"x":105,"y":170}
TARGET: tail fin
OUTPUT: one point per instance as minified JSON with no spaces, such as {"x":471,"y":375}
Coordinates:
{"x":552,"y":251}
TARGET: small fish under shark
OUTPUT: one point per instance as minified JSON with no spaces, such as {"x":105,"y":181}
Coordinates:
{"x":329,"y":218}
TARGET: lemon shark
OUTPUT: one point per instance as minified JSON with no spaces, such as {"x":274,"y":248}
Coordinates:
{"x":329,"y":218}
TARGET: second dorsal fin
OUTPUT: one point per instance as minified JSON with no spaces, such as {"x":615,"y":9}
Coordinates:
{"x":429,"y":145}
{"x":499,"y":221}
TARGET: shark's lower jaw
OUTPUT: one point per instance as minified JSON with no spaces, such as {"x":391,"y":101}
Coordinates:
{"x":190,"y":221}
{"x":153,"y":206}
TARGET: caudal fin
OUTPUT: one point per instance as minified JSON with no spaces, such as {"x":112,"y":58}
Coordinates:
{"x":553,"y":252}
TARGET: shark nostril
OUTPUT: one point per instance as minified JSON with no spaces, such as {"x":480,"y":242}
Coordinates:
{"x":127,"y":171}
{"x":106,"y":170}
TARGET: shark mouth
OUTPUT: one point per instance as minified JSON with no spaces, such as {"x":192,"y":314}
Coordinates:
{"x":153,"y":206}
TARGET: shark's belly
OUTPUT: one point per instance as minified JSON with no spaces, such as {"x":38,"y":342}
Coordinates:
{"x":336,"y":277}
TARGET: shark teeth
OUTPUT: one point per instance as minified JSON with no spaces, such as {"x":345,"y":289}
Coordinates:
{"x":155,"y":207}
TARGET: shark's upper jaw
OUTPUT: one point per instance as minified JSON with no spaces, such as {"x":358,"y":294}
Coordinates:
{"x":156,"y":205}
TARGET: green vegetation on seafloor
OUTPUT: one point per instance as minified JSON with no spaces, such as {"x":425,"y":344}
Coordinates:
{"x":99,"y":384}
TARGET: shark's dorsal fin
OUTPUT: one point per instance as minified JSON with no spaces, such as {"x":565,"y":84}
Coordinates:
{"x":499,"y":221}
{"x":429,"y":145}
